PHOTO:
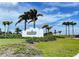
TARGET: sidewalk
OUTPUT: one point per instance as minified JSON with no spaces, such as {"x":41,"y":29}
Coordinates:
{"x":77,"y":55}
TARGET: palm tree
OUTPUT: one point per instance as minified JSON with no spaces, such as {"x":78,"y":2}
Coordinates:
{"x":0,"y":31}
{"x":65,"y":23}
{"x":73,"y":24}
{"x":5,"y":23}
{"x":17,"y":30}
{"x":23,"y":17}
{"x":48,"y":28}
{"x":9,"y":23}
{"x":67,"y":27}
{"x":45,"y":26}
{"x":33,"y":16}
{"x":59,"y":32}
{"x":55,"y":32}
{"x":68,"y":24}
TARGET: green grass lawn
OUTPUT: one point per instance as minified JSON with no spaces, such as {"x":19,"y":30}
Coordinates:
{"x":59,"y":48}
{"x":17,"y":48}
{"x":11,"y":41}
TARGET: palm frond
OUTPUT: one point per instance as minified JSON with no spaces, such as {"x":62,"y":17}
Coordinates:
{"x":39,"y":15}
{"x":30,"y":21}
{"x":18,"y":21}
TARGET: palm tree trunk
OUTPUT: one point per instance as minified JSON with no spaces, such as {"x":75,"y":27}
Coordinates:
{"x":5,"y":30}
{"x":66,"y":29}
{"x":69,"y":30}
{"x":59,"y":33}
{"x":72,"y":30}
{"x":17,"y":32}
{"x":8,"y":29}
{"x":46,"y":30}
{"x":25,"y":25}
{"x":34,"y":24}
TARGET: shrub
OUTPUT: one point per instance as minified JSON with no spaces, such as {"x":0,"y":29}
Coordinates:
{"x":30,"y":40}
{"x":41,"y":39}
{"x":10,"y":36}
{"x":49,"y":33}
{"x":48,"y":38}
{"x":62,"y":36}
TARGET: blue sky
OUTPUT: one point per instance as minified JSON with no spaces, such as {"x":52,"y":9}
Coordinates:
{"x":54,"y":13}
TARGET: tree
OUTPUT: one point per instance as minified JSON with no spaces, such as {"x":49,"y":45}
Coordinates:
{"x":48,"y":28}
{"x":25,"y":18}
{"x":8,"y":23}
{"x":17,"y":30}
{"x":5,"y":23}
{"x":55,"y":32}
{"x":59,"y":32}
{"x":73,"y":24}
{"x":33,"y":16}
{"x":0,"y":31}
{"x":45,"y":26}
{"x":67,"y":24}
{"x":64,"y":23}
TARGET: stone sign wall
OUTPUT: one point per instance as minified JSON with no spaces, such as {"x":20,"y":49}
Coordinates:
{"x":33,"y":32}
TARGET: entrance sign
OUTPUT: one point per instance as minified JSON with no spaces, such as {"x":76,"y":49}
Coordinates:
{"x":33,"y":32}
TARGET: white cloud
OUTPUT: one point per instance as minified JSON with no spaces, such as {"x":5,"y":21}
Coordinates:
{"x":10,"y":6}
{"x":58,"y":18}
{"x":8,"y":3}
{"x":4,"y":14}
{"x":50,"y":9}
{"x":10,"y":16}
{"x":68,"y":18}
{"x":62,"y":4}
{"x":70,"y":4}
{"x":14,"y":3}
{"x":51,"y":18}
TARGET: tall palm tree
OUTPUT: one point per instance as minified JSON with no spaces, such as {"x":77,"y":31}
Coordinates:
{"x":65,"y":23}
{"x":25,"y":18}
{"x":73,"y":24}
{"x":9,"y":23}
{"x":59,"y":32}
{"x":33,"y":16}
{"x":17,"y":30}
{"x":0,"y":31}
{"x":68,"y":24}
{"x":55,"y":32}
{"x":48,"y":28}
{"x":45,"y":26}
{"x":4,"y":23}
